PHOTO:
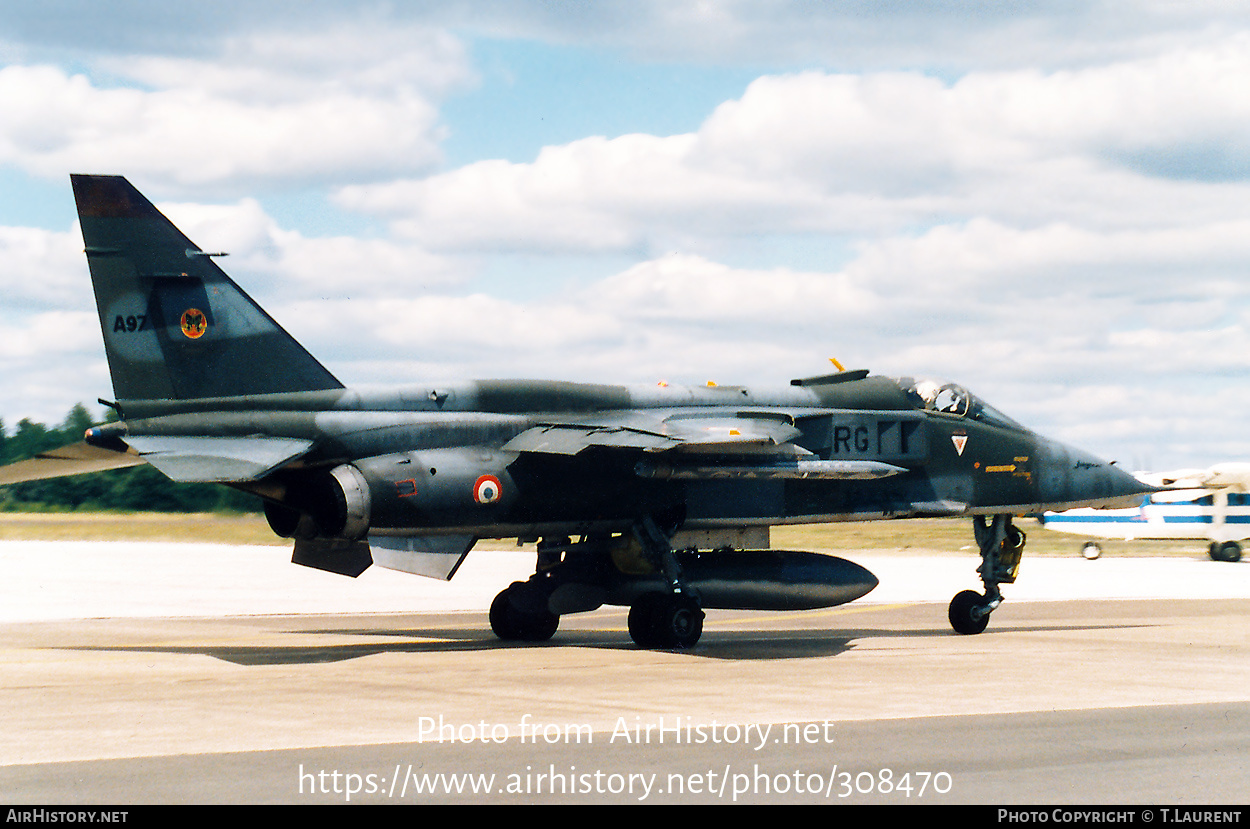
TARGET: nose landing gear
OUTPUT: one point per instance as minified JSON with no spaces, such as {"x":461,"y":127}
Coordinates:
{"x":1001,"y":544}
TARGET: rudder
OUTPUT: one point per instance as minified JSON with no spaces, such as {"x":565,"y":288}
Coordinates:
{"x":175,"y":326}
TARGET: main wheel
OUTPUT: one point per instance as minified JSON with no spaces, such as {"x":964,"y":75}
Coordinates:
{"x":659,"y":620}
{"x":516,"y":616}
{"x":967,"y":613}
{"x":679,"y":623}
{"x":1090,"y":550}
{"x":642,"y":616}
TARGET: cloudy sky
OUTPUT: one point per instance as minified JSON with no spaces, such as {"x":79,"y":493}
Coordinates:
{"x":1046,"y":201}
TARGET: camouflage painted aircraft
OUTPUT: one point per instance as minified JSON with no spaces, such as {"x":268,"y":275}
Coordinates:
{"x":658,"y":498}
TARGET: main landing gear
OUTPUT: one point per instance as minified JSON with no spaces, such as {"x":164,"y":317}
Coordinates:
{"x":1001,"y":544}
{"x":522,"y":611}
{"x":639,"y":569}
{"x":669,"y":620}
{"x":665,"y":621}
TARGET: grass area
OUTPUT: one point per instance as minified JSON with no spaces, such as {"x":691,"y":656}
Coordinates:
{"x":907,"y":536}
{"x":207,"y":528}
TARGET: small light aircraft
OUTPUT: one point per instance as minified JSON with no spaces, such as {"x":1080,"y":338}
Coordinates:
{"x":1211,"y":504}
{"x":659,"y":498}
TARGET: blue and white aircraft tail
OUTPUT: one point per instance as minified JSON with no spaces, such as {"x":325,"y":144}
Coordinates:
{"x":1211,"y":504}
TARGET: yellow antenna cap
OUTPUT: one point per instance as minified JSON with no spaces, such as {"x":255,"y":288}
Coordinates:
{"x":836,"y":363}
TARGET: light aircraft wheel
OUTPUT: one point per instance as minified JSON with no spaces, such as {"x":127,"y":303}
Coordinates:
{"x":512,"y":620}
{"x":1213,"y":550}
{"x":1091,"y":550}
{"x":967,"y":613}
{"x":1229,"y":551}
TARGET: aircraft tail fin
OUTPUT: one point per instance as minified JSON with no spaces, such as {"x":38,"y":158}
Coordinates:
{"x":175,"y":326}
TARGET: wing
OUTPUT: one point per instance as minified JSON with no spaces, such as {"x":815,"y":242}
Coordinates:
{"x":741,"y":444}
{"x":75,"y":459}
{"x":183,"y":459}
{"x":190,"y":459}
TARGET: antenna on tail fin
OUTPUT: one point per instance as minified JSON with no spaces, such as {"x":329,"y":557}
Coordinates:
{"x":175,"y":326}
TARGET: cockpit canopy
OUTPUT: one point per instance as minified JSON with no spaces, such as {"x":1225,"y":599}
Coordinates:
{"x":954,"y":400}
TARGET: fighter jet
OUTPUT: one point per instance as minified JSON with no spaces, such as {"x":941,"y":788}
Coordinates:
{"x":659,"y":498}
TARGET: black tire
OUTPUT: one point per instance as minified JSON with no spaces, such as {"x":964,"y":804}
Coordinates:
{"x":539,"y":627}
{"x":642,"y":617}
{"x":514,"y":622}
{"x":1229,"y":551}
{"x":669,"y":621}
{"x":502,"y":618}
{"x":678,"y":623}
{"x":964,"y":613}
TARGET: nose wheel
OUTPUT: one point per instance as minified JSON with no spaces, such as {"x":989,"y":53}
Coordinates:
{"x":969,"y":612}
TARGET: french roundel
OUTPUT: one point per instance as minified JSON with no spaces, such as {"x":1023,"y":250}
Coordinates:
{"x":487,"y":490}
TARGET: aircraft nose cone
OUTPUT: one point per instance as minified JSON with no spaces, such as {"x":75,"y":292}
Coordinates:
{"x":1071,"y":478}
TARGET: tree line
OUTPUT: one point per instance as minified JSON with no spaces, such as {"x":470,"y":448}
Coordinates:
{"x":138,"y":488}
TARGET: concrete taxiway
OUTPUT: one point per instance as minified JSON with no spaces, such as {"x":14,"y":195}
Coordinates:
{"x":137,"y":673}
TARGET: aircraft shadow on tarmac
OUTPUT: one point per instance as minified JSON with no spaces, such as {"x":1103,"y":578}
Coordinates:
{"x":798,"y":643}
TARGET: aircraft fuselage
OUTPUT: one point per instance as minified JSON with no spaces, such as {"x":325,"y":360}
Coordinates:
{"x":422,"y":451}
